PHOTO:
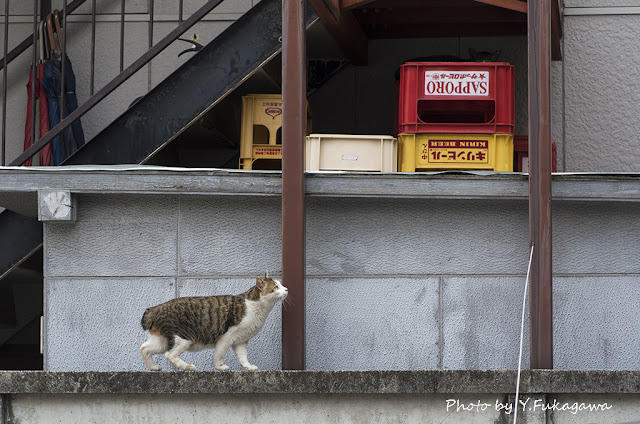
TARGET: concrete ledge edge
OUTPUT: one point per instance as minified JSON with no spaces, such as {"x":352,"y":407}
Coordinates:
{"x":316,"y":382}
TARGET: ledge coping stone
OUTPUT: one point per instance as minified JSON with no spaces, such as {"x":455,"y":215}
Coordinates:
{"x":317,"y":382}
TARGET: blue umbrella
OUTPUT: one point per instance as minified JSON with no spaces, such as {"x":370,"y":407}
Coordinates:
{"x":67,"y":141}
{"x":71,"y":104}
{"x":54,"y":111}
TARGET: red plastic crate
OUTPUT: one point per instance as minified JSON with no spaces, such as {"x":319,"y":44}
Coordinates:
{"x":456,"y":97}
{"x":521,"y":151}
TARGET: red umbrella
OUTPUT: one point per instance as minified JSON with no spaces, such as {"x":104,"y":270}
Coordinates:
{"x":27,"y":125}
{"x":45,"y":153}
{"x":43,"y":105}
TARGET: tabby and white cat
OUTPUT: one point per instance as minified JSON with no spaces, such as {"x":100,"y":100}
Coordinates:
{"x":219,"y":322}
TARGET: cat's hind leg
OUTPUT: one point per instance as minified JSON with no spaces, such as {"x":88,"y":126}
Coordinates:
{"x":222,"y":346}
{"x":155,"y":344}
{"x":241,"y":353}
{"x":180,"y":345}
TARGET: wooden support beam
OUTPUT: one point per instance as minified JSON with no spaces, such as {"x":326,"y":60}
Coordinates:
{"x":517,"y":5}
{"x":353,"y":4}
{"x":345,"y":30}
{"x":441,"y":15}
{"x":294,"y":121}
{"x":556,"y":30}
{"x":541,"y":311}
{"x":463,"y":29}
{"x":334,"y":7}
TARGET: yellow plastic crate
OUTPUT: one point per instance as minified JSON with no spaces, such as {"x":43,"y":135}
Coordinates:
{"x":437,"y":152}
{"x":261,"y":134}
{"x":339,"y":152}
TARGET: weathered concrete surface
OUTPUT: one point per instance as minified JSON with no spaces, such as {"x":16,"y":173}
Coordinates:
{"x":558,"y":397}
{"x":321,"y":408}
{"x":249,"y":409}
{"x":600,"y":88}
{"x":318,"y":382}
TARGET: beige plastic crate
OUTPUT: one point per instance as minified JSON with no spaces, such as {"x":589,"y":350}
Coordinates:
{"x":261,"y":134}
{"x":339,"y":152}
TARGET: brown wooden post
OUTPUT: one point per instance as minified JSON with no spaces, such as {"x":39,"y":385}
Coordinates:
{"x":294,"y":119}
{"x":539,"y":38}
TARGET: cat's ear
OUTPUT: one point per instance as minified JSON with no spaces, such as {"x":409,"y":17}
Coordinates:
{"x":266,"y":275}
{"x":496,"y":55}
{"x":473,"y":54}
{"x":259,"y":284}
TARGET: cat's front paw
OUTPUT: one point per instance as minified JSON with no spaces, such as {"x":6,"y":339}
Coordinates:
{"x":223,"y":367}
{"x":190,"y":367}
{"x":251,"y":368}
{"x":155,"y":368}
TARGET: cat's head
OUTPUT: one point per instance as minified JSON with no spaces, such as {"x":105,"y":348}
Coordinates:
{"x":270,"y":288}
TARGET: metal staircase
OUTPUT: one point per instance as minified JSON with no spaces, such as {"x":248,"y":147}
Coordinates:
{"x":173,"y":114}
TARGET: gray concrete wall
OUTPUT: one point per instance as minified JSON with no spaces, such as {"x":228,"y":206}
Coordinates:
{"x":600,"y":80}
{"x":134,"y":252}
{"x":263,"y":408}
{"x":319,"y":408}
{"x":391,"y":283}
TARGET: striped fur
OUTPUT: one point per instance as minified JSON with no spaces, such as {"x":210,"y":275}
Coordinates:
{"x":195,"y":323}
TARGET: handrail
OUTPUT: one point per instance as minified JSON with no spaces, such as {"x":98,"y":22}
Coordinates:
{"x":115,"y":82}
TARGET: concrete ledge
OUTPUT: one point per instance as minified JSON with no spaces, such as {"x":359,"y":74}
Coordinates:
{"x":19,"y":185}
{"x":317,"y":382}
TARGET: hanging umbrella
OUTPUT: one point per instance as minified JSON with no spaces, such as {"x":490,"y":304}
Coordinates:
{"x":71,"y":103}
{"x":45,"y":153}
{"x":69,"y":143}
{"x":27,"y":126}
{"x":54,"y":114}
{"x":49,"y":85}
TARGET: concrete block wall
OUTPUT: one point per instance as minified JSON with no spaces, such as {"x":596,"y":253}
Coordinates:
{"x":391,"y":283}
{"x":126,"y":253}
{"x":600,"y":78}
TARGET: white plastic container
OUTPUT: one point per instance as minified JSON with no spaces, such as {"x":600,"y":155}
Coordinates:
{"x":339,"y":152}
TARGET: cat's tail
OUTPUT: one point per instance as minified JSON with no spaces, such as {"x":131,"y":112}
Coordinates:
{"x":147,"y":319}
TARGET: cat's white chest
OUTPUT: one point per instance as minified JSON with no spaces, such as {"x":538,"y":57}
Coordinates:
{"x":253,"y":321}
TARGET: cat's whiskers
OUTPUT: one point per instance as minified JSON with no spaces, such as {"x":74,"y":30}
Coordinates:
{"x":285,"y":303}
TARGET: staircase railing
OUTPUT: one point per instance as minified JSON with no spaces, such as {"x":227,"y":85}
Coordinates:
{"x":95,"y":98}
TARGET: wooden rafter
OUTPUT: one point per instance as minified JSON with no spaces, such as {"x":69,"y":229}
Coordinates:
{"x":334,"y":7}
{"x":517,"y":5}
{"x":352,"y":4}
{"x":437,"y":30}
{"x":445,"y":15}
{"x":345,"y":30}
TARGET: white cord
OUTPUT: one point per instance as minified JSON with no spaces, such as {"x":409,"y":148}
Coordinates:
{"x":524,"y":308}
